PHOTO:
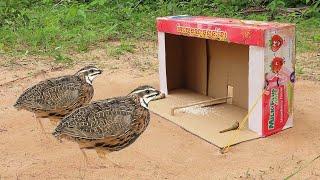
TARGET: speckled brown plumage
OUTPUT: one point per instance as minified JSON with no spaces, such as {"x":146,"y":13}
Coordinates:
{"x":110,"y":124}
{"x":58,"y":96}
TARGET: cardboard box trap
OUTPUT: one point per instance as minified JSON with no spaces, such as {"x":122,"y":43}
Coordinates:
{"x":213,"y":69}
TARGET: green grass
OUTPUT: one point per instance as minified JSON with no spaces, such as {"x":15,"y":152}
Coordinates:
{"x":60,"y":58}
{"x":299,"y":70}
{"x":308,"y":35}
{"x":122,"y":48}
{"x":43,"y":27}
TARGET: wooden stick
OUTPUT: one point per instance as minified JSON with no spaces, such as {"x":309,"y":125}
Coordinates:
{"x":214,"y":103}
{"x":235,"y":126}
{"x":198,"y":103}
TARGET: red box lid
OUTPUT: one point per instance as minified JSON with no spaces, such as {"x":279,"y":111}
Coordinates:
{"x":222,"y":29}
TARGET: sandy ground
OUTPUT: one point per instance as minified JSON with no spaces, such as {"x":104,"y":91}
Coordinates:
{"x":164,"y":150}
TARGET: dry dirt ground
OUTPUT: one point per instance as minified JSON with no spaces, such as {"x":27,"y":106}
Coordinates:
{"x":164,"y":151}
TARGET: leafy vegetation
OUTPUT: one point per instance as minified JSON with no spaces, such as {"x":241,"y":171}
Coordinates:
{"x":56,"y":26}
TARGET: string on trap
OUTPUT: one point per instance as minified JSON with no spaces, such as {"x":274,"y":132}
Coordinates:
{"x":241,"y":124}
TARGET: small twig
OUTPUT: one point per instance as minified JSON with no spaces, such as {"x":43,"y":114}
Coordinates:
{"x":140,"y":2}
{"x":302,"y":167}
{"x":3,"y":130}
{"x":59,"y":68}
{"x":249,"y":11}
{"x":296,"y":9}
{"x":283,"y":10}
{"x":34,"y":75}
{"x":12,"y":81}
{"x":58,"y":3}
{"x":254,"y":10}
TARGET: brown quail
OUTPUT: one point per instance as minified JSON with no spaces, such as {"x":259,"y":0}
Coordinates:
{"x":111,"y":124}
{"x":57,"y":97}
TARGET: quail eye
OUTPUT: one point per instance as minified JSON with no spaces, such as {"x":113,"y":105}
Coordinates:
{"x":147,"y":91}
{"x":91,"y":71}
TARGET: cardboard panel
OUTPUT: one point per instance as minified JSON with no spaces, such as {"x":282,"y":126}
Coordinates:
{"x":195,"y":64}
{"x":280,"y":77}
{"x":174,"y":62}
{"x":186,"y":63}
{"x":205,"y":123}
{"x":228,"y":65}
{"x":256,"y":74}
{"x":162,"y":62}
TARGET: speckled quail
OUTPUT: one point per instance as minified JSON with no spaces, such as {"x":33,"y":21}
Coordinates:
{"x":57,"y":97}
{"x":111,"y":124}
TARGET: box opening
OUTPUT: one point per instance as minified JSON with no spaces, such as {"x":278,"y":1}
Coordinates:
{"x":201,"y":70}
{"x":208,"y":67}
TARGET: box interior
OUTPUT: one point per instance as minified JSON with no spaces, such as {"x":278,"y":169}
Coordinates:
{"x":200,"y":69}
{"x":207,"y":67}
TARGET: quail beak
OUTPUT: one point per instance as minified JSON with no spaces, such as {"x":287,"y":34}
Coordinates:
{"x":98,"y":72}
{"x":159,"y":96}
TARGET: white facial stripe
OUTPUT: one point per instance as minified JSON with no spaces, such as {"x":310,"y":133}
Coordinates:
{"x":143,"y":103}
{"x":95,"y":74}
{"x":95,"y":69}
{"x":90,"y":78}
{"x":147,"y":98}
{"x":150,"y":95}
{"x":142,"y":90}
{"x":86,"y":70}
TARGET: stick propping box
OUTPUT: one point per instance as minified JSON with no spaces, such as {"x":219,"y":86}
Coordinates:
{"x":207,"y":58}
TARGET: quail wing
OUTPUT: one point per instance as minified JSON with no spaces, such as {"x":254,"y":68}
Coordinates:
{"x":51,"y":94}
{"x":101,"y":119}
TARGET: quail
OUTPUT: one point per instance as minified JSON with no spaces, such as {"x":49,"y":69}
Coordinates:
{"x":111,"y":124}
{"x":57,"y":97}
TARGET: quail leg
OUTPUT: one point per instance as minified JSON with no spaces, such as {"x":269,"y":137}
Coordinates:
{"x":86,"y":161}
{"x":54,"y":120}
{"x":40,"y":123}
{"x":42,"y":129}
{"x":85,"y":157}
{"x":103,"y":155}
